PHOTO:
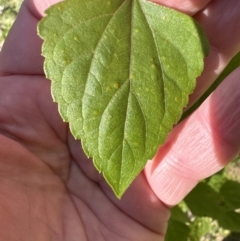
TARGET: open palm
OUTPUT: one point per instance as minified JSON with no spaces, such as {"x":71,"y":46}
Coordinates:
{"x":49,"y":190}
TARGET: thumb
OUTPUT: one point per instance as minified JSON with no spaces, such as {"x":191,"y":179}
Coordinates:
{"x":189,"y":7}
{"x":199,"y":146}
{"x":38,"y":7}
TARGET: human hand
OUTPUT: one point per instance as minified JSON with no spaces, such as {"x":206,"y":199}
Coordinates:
{"x":50,"y":191}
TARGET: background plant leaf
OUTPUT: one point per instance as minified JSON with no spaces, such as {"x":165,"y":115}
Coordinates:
{"x":204,"y":201}
{"x":178,"y":215}
{"x":177,"y":231}
{"x":199,"y":227}
{"x":121,"y":72}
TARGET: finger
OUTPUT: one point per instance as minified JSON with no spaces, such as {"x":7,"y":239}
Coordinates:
{"x":21,"y":53}
{"x":38,"y":7}
{"x":199,"y":146}
{"x":221,"y":22}
{"x":189,"y":7}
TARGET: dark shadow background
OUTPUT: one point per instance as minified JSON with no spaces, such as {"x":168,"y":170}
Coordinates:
{"x":232,"y":237}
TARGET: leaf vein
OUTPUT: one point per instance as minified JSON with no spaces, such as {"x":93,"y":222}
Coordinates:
{"x":160,"y":63}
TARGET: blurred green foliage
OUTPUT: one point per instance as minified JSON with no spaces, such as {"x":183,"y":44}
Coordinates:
{"x":211,"y":211}
{"x":8,"y":12}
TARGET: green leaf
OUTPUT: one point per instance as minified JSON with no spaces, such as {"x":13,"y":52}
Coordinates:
{"x":217,"y":181}
{"x":121,"y":72}
{"x":199,"y":227}
{"x":178,"y":214}
{"x":177,"y":231}
{"x":230,"y":221}
{"x":204,"y":201}
{"x":230,"y":190}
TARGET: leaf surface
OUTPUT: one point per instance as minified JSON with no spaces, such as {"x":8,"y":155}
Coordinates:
{"x":177,"y":231}
{"x":204,"y":201}
{"x":121,"y":72}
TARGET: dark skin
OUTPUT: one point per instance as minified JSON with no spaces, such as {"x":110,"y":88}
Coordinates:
{"x":49,"y":190}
